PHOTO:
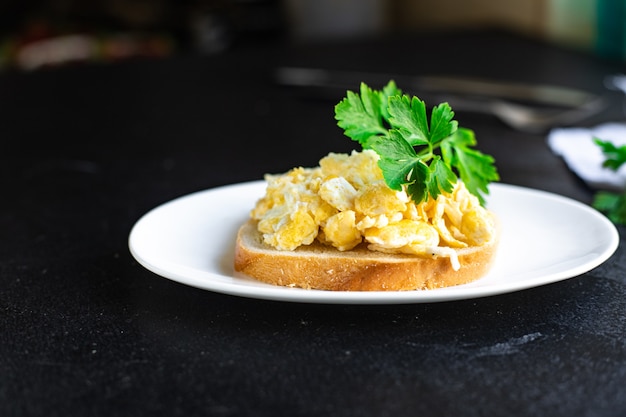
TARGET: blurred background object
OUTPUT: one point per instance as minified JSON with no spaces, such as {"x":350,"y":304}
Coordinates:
{"x":42,"y":33}
{"x":327,"y":19}
{"x":591,"y":25}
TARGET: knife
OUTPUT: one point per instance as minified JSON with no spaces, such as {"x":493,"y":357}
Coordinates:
{"x":563,"y":105}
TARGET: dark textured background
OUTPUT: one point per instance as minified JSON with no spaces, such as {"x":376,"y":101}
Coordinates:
{"x":87,"y":149}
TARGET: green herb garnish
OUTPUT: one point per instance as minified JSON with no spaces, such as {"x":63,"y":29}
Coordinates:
{"x":425,"y":156}
{"x":615,"y":155}
{"x":613,"y":204}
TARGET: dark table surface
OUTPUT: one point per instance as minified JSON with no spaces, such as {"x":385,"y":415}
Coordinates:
{"x":86,"y":331}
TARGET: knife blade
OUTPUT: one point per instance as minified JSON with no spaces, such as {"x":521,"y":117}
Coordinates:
{"x":463,"y":93}
{"x":473,"y":86}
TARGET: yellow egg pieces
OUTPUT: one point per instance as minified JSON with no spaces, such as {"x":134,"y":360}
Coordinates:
{"x":345,"y":202}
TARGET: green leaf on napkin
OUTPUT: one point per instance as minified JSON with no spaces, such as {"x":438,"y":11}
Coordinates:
{"x":612,"y":204}
{"x":615,"y":155}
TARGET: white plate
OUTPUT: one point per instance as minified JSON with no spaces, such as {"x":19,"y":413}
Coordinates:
{"x":545,"y":238}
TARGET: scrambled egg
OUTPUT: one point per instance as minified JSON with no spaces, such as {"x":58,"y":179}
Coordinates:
{"x":345,"y":202}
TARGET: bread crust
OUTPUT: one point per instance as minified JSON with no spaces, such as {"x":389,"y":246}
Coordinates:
{"x":321,"y":267}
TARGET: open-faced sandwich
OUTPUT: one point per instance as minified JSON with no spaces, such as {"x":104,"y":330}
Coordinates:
{"x":406,"y":212}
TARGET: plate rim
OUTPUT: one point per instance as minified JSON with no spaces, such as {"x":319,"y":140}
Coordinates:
{"x":257,"y":290}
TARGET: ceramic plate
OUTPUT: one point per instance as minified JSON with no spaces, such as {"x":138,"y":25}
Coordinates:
{"x":545,"y":238}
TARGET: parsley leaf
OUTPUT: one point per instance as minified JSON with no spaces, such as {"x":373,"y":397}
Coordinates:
{"x":476,"y":169}
{"x":426,"y":156}
{"x":615,"y":156}
{"x":364,"y":116}
{"x":408,"y":116}
{"x":390,"y":90}
{"x":612,"y":204}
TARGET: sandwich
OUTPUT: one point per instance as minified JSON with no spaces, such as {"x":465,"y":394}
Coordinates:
{"x":406,"y":212}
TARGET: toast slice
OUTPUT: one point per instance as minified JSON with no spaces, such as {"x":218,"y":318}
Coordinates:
{"x":322,"y":267}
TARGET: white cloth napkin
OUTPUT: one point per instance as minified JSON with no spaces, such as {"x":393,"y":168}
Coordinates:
{"x":585,"y":158}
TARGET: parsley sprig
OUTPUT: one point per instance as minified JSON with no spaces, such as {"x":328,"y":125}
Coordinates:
{"x":613,"y":204}
{"x":425,"y":156}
